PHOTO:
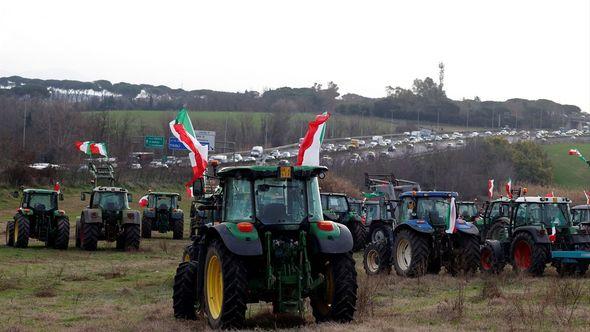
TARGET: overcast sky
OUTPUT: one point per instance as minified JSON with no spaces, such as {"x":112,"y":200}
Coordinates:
{"x":492,"y":49}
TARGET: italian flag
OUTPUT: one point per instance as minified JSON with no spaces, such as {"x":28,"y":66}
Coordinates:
{"x":182,"y":129}
{"x":577,"y":153}
{"x":509,"y":187}
{"x":490,"y":189}
{"x":57,"y":187}
{"x":309,"y":152}
{"x":91,"y":148}
{"x":452,"y":217}
{"x":143,"y":202}
{"x":587,"y":197}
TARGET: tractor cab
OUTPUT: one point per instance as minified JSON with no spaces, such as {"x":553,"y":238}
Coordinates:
{"x":108,"y":199}
{"x":40,"y":201}
{"x":430,"y":207}
{"x":581,"y":217}
{"x":162,"y":214}
{"x":467,"y":211}
{"x":336,"y":206}
{"x":163,"y":202}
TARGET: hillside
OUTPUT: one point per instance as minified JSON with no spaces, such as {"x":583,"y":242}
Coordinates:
{"x":569,"y":171}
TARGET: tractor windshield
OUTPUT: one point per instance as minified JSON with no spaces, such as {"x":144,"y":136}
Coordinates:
{"x":337,"y":204}
{"x":373,"y":212}
{"x":434,"y":210}
{"x":467,"y":211}
{"x":164,"y":202}
{"x":42,"y":202}
{"x":112,"y":201}
{"x":580,"y":216}
{"x":548,"y":214}
{"x":356,"y":208}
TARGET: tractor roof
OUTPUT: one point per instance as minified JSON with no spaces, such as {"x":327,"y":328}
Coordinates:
{"x":581,"y":207}
{"x":161,"y":193}
{"x":333,"y":194}
{"x":109,"y":189}
{"x":539,"y":199}
{"x":466,"y":202}
{"x":39,"y":191}
{"x":429,"y":194}
{"x":269,"y":171}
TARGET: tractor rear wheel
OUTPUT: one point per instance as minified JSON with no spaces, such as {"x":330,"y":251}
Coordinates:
{"x":376,"y":258}
{"x":177,"y":229}
{"x":225,"y":288}
{"x":62,"y":233}
{"x":498,"y":231}
{"x":468,"y":255}
{"x":184,"y":296}
{"x":10,"y":233}
{"x":187,"y":255}
{"x":336,"y":299}
{"x":528,"y":256}
{"x":489,"y":262}
{"x":359,"y":233}
{"x":410,"y":253}
{"x":131,"y":237}
{"x":77,"y":234}
{"x":89,"y":236}
{"x":146,"y":228}
{"x":21,"y":231}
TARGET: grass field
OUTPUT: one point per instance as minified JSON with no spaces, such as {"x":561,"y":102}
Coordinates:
{"x":569,"y":171}
{"x":45,"y":289}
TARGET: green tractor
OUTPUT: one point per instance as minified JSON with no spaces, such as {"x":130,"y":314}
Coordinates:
{"x":337,"y":207}
{"x":533,"y":232}
{"x":271,"y":244}
{"x":39,"y":217}
{"x":162,"y":214}
{"x":108,"y":217}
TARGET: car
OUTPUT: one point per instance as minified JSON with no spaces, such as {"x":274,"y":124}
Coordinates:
{"x":256,"y":151}
{"x":285,"y":154}
{"x":445,"y":136}
{"x":460,"y":142}
{"x":275,"y":153}
{"x":341,"y":147}
{"x":249,"y":159}
{"x":237,"y":157}
{"x":221,"y":158}
{"x":131,"y":166}
{"x":430,"y":145}
{"x":410,"y":146}
{"x":391,"y":148}
{"x":157,"y":164}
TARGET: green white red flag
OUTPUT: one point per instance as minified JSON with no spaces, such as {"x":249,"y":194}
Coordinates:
{"x":509,"y":188}
{"x":452,"y":217}
{"x":91,"y":148}
{"x":490,"y":189}
{"x":182,"y":129}
{"x":143,"y":201}
{"x":587,"y":197}
{"x":309,"y":151}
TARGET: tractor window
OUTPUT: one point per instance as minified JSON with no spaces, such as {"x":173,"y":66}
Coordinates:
{"x":280,"y":201}
{"x":238,"y":197}
{"x":407,"y":210}
{"x":164,"y":202}
{"x":373,"y":212}
{"x":542,"y":213}
{"x":338,"y":203}
{"x":580,"y":216}
{"x":313,"y":200}
{"x":433,"y":209}
{"x":467,"y":211}
{"x":110,"y":201}
{"x":556,"y":214}
{"x":42,"y":201}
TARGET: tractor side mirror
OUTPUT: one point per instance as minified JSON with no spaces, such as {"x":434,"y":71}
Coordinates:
{"x":129,"y":198}
{"x":199,"y":187}
{"x":179,"y":198}
{"x":82,"y":196}
{"x":61,"y":196}
{"x":14,"y":194}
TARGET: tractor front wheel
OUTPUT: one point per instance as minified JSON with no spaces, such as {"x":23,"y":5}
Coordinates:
{"x":489,"y":262}
{"x":62,"y":234}
{"x":376,"y":258}
{"x":177,"y":229}
{"x":10,"y":233}
{"x":335,"y":300}
{"x":89,"y":236}
{"x":466,"y":254}
{"x":225,"y":288}
{"x":131,"y":237}
{"x":184,"y":297}
{"x":146,"y":228}
{"x":410,"y":253}
{"x":21,"y":231}
{"x":528,"y":256}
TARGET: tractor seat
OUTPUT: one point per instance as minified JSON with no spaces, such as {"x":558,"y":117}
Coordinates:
{"x":273,"y":212}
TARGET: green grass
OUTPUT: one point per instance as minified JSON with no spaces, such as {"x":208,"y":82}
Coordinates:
{"x":569,"y":171}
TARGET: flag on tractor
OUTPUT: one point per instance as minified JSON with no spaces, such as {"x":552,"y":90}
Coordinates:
{"x":587,"y":197}
{"x":189,"y":192}
{"x":490,"y":189}
{"x":309,"y":151}
{"x":57,"y":187}
{"x":577,"y":153}
{"x":549,"y":195}
{"x":452,"y":217}
{"x":182,"y":129}
{"x":91,"y":148}
{"x":509,"y":188}
{"x":143,"y":201}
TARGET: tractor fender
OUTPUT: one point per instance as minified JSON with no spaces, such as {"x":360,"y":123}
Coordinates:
{"x":414,"y":225}
{"x":467,"y":228}
{"x":534,"y":231}
{"x":337,"y":241}
{"x":246,"y":245}
{"x":496,"y":247}
{"x":130,"y":217}
{"x":149,"y":214}
{"x":178,"y":214}
{"x":92,"y":216}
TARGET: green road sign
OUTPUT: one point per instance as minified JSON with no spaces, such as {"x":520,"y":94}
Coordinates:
{"x":154,"y":142}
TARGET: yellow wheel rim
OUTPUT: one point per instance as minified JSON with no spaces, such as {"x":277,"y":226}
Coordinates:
{"x":186,"y":258}
{"x":214,"y":286}
{"x":16,"y":231}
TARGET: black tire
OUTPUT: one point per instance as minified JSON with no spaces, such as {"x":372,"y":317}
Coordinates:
{"x":378,"y":232}
{"x":21,"y":231}
{"x":336,"y":299}
{"x":528,"y":256}
{"x":178,"y":229}
{"x":235,"y":287}
{"x":468,"y":254}
{"x":184,"y":296}
{"x":146,"y":228}
{"x":89,"y":236}
{"x":498,"y":231}
{"x":489,"y":261}
{"x":77,"y":234}
{"x":376,"y":258}
{"x":62,"y":233}
{"x":434,"y":266}
{"x":10,"y":233}
{"x":418,"y":256}
{"x":131,"y":234}
{"x":187,"y":255}
{"x":359,"y":234}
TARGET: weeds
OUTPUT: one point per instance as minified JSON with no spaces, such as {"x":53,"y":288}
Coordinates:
{"x":567,"y":296}
{"x":490,"y":289}
{"x":366,"y":295}
{"x":46,"y":290}
{"x":163,"y":245}
{"x":7,"y":283}
{"x":116,"y":271}
{"x":454,"y":309}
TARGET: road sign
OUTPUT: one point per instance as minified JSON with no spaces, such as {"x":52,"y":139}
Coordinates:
{"x":206,"y":137}
{"x":174,"y":144}
{"x":154,"y":142}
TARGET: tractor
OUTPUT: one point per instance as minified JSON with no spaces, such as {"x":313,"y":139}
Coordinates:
{"x":337,"y":207}
{"x":269,"y":244}
{"x":162,"y":214}
{"x":468,"y":211}
{"x":581,"y":217}
{"x":419,"y":243}
{"x":535,"y":231}
{"x":39,"y":217}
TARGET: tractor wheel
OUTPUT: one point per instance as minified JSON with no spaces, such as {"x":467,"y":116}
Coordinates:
{"x":21,"y":231}
{"x":89,"y":236}
{"x":10,"y":233}
{"x":376,"y":258}
{"x":468,"y":255}
{"x":410,"y":253}
{"x":489,"y":263}
{"x":184,"y":296}
{"x":359,"y":234}
{"x":336,"y":299}
{"x":131,"y":237}
{"x":225,"y":288}
{"x":146,"y":228}
{"x":378,"y":233}
{"x":178,"y":229}
{"x":498,"y":231}
{"x":527,"y":256}
{"x":62,"y":234}
{"x":77,"y":234}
